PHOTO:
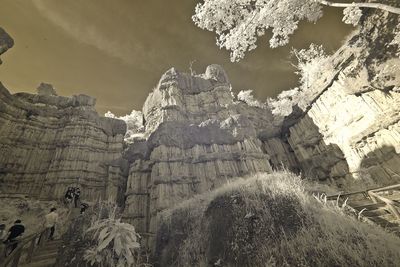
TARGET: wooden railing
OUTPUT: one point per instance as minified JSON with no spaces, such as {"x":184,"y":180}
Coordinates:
{"x":374,"y":195}
{"x":391,"y":205}
{"x":25,"y":246}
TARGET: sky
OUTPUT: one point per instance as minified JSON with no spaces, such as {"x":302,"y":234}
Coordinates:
{"x":117,"y":50}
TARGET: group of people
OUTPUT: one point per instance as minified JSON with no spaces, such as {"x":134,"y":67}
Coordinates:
{"x":72,"y":195}
{"x":15,"y":232}
{"x":10,"y":238}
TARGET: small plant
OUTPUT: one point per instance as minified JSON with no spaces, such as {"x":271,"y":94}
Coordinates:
{"x":116,"y":242}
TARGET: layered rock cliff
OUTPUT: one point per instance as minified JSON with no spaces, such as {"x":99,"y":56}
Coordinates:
{"x":6,"y":42}
{"x":349,"y":133}
{"x":51,"y":142}
{"x":197,"y":138}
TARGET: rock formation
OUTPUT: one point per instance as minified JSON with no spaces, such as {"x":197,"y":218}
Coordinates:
{"x":6,"y":42}
{"x":51,"y":142}
{"x":350,"y":132}
{"x":197,"y":138}
{"x":46,"y":89}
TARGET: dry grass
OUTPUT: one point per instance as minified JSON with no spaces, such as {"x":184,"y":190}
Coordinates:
{"x":269,"y":220}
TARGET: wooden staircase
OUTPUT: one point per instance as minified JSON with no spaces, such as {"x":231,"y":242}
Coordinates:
{"x":36,"y":250}
{"x":380,"y":206}
{"x":46,"y":255}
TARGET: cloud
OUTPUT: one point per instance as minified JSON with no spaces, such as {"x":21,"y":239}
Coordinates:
{"x":87,"y":23}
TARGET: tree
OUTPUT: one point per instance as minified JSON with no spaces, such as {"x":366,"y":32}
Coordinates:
{"x":248,"y":98}
{"x":134,"y":123}
{"x":238,"y":23}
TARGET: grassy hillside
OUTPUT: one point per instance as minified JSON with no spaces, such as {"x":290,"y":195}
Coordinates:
{"x":269,"y":220}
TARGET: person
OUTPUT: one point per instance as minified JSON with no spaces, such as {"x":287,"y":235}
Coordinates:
{"x":77,"y":194}
{"x":14,"y":232}
{"x":2,"y":232}
{"x":2,"y":238}
{"x":69,"y":195}
{"x":51,"y":220}
{"x":84,"y":207}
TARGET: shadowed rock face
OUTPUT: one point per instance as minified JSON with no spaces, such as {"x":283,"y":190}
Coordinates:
{"x":6,"y":42}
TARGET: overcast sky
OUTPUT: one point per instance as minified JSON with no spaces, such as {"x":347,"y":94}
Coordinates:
{"x":116,"y":50}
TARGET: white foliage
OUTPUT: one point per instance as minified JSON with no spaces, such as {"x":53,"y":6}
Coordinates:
{"x":283,"y":104}
{"x":312,"y":63}
{"x":352,"y":15}
{"x":396,"y":39}
{"x":109,"y":114}
{"x":134,"y":123}
{"x":247,"y":97}
{"x":239,"y":23}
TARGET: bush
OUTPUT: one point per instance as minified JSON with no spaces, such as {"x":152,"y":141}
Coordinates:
{"x":99,"y":238}
{"x":269,"y":220}
{"x":116,"y":243}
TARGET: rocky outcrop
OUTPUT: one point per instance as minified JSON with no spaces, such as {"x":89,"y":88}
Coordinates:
{"x":51,"y":142}
{"x":349,"y":134}
{"x":46,"y":89}
{"x":197,"y":138}
{"x":6,"y":42}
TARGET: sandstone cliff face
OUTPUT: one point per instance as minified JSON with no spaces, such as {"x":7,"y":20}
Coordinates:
{"x":197,"y":138}
{"x":6,"y":42}
{"x":350,"y":133}
{"x":51,"y":142}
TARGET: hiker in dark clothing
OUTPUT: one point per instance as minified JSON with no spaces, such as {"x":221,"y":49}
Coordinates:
{"x":84,"y":207}
{"x":69,"y":195}
{"x":2,"y":232}
{"x":15,"y":231}
{"x":77,"y":194}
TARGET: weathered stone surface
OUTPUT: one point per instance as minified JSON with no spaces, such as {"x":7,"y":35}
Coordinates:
{"x":349,"y":135}
{"x":197,"y":138}
{"x":46,"y":89}
{"x":6,"y":42}
{"x":51,"y":142}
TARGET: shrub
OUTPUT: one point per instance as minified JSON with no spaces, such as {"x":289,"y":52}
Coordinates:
{"x":116,"y":243}
{"x":269,"y":220}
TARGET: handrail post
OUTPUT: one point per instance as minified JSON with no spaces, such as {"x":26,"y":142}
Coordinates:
{"x":2,"y":252}
{"x":394,"y":211}
{"x":31,"y":249}
{"x":388,"y":202}
{"x":16,"y":258}
{"x":372,"y":197}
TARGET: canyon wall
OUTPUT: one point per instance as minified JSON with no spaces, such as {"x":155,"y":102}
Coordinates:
{"x":50,"y":142}
{"x":6,"y":42}
{"x":197,"y":138}
{"x":349,"y":133}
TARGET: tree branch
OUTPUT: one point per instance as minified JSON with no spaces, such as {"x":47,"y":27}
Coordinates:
{"x":388,"y":8}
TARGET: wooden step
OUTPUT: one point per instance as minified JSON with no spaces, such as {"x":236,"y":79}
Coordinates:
{"x":371,"y":206}
{"x":53,"y":243}
{"x":383,"y":222}
{"x":42,"y":263}
{"x":43,"y":256}
{"x":375,"y":213}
